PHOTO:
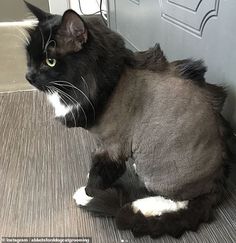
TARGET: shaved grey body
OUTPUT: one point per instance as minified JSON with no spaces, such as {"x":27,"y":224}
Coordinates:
{"x":168,"y":125}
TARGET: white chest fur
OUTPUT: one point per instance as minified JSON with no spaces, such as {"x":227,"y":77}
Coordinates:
{"x":59,"y":108}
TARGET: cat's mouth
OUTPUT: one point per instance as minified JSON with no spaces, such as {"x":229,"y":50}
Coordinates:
{"x":41,"y":88}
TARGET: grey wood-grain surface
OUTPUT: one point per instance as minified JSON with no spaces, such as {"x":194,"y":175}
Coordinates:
{"x":42,"y":164}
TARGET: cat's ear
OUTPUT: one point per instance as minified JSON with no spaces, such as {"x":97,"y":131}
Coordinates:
{"x":39,"y":14}
{"x":73,"y":27}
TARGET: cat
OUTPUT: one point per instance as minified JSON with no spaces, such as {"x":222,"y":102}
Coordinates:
{"x":162,"y":157}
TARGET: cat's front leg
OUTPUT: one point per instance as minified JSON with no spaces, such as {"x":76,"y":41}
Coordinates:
{"x":103,"y":173}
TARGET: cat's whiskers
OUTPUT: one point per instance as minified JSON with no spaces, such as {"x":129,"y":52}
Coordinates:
{"x":70,"y":97}
{"x":30,"y":16}
{"x":18,"y":37}
{"x":71,"y":111}
{"x":76,"y":104}
{"x":85,"y":83}
{"x":52,"y":90}
{"x":23,"y":34}
{"x":67,"y":84}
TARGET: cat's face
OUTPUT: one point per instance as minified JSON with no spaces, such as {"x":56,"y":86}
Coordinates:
{"x":53,"y":51}
{"x":56,"y":64}
{"x":76,"y":63}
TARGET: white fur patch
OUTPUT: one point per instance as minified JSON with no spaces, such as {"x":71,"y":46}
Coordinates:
{"x":156,"y":206}
{"x":81,"y":198}
{"x":59,"y":107}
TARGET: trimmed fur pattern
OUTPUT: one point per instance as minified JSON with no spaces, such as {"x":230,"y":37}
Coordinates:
{"x":163,"y":116}
{"x":190,"y":69}
{"x":153,"y":59}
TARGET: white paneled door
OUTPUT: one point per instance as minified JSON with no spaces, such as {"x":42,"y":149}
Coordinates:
{"x":203,"y":29}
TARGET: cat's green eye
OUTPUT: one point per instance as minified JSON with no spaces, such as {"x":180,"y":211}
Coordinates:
{"x":51,"y":62}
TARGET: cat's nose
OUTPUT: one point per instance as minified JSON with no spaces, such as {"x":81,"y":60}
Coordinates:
{"x":30,"y":77}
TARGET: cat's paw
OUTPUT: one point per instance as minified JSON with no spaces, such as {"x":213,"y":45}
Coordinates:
{"x":81,"y":198}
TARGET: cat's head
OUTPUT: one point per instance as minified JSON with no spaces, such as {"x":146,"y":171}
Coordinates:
{"x":78,"y":61}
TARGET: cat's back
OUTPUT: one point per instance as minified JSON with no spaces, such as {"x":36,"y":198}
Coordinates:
{"x":178,"y":104}
{"x":174,"y":93}
{"x":177,"y":138}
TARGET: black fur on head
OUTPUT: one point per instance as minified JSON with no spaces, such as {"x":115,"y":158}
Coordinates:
{"x":81,"y":60}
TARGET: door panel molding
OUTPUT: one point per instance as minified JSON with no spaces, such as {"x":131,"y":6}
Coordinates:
{"x":191,"y":16}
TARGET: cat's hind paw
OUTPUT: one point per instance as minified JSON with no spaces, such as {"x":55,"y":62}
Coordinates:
{"x":81,"y":198}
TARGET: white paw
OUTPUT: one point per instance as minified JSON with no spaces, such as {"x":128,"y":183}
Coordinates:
{"x":81,"y":198}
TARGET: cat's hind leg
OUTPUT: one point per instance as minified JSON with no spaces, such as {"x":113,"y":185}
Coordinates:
{"x":157,"y":216}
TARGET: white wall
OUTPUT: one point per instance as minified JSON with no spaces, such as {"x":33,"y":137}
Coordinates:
{"x":58,"y":6}
{"x":88,"y":6}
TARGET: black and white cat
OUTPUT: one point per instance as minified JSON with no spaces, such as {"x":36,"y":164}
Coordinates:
{"x":161,"y":116}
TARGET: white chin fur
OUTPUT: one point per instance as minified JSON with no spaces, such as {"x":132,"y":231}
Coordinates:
{"x":59,"y":108}
{"x":156,"y":206}
{"x":81,"y":198}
